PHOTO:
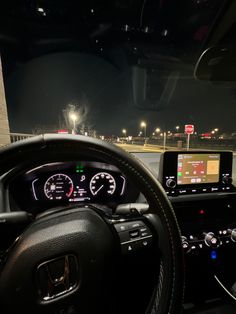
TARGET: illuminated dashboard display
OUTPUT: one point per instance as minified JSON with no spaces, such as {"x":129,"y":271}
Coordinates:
{"x":198,"y":168}
{"x":76,"y":182}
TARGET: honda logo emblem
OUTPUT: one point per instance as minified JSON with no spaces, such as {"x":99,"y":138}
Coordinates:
{"x":57,"y":277}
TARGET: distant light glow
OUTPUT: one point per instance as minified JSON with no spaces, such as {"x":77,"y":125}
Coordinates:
{"x":73,"y":117}
{"x":126,"y":28}
{"x":165,"y":32}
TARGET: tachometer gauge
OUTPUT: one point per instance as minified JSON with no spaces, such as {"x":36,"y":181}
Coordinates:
{"x":102,"y":183}
{"x":58,"y":187}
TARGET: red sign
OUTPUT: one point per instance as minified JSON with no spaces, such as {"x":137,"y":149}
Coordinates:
{"x":62,"y":131}
{"x":189,"y":129}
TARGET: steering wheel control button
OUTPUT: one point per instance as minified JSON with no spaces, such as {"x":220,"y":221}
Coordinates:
{"x":122,"y":227}
{"x":129,"y":248}
{"x":145,"y":232}
{"x":211,"y":240}
{"x":133,"y":235}
{"x":145,"y":243}
{"x":126,"y":226}
{"x":57,"y":277}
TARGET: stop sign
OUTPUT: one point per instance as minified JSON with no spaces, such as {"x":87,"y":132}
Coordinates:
{"x":62,"y":131}
{"x":189,"y":129}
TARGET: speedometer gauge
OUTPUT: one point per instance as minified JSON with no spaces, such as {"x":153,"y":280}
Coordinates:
{"x":58,"y":187}
{"x":102,"y":183}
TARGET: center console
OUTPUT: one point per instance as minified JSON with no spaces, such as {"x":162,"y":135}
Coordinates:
{"x":199,"y":185}
{"x":200,"y":188}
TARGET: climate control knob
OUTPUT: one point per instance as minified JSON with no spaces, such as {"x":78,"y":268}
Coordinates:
{"x":170,"y":183}
{"x":211,"y":240}
{"x":232,"y":233}
{"x":185,"y":244}
{"x":227,"y":180}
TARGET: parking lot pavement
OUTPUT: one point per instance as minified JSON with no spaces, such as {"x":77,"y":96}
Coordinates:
{"x":140,"y":148}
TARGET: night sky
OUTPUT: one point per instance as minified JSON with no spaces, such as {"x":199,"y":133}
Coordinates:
{"x":37,"y":91}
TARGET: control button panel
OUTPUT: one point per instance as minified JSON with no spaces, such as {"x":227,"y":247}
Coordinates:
{"x":194,"y":243}
{"x":134,"y":235}
{"x":199,"y":190}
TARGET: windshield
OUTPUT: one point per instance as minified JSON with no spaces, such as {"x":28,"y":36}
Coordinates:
{"x":118,"y":70}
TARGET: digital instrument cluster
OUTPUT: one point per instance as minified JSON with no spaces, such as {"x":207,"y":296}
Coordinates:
{"x":76,"y":182}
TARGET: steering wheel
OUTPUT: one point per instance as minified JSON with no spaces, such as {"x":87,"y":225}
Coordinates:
{"x":65,"y":255}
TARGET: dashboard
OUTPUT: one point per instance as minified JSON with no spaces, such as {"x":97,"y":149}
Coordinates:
{"x":63,"y":183}
{"x":199,"y":185}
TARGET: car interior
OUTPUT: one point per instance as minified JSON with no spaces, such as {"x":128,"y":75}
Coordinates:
{"x":93,"y":223}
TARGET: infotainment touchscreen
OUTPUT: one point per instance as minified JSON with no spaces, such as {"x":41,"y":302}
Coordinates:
{"x":198,"y":168}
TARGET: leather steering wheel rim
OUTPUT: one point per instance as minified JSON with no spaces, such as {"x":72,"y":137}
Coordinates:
{"x":168,"y":295}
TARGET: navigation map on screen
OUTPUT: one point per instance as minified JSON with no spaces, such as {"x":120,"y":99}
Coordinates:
{"x":198,"y":168}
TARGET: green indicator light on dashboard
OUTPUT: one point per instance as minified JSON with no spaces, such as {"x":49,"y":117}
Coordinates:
{"x":79,"y":168}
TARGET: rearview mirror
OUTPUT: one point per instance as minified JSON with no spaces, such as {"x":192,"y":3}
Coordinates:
{"x":217,"y":64}
{"x":154,"y":81}
{"x":153,"y":89}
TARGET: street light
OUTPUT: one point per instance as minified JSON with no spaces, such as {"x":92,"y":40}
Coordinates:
{"x":73,"y":117}
{"x":144,"y":125}
{"x":216,"y":130}
{"x":124,"y":131}
{"x":177,"y":128}
{"x":158,"y":130}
